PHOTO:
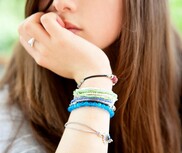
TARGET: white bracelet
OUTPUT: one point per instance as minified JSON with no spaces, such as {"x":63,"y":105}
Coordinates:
{"x":105,"y":137}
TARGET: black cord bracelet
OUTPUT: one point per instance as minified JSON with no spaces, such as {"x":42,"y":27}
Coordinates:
{"x":112,"y":77}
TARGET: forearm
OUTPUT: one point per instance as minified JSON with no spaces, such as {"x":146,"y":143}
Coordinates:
{"x":74,"y":141}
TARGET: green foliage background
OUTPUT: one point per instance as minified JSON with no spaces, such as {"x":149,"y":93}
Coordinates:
{"x":176,"y":13}
{"x":12,"y":14}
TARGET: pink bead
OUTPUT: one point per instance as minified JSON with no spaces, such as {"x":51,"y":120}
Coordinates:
{"x":114,"y":79}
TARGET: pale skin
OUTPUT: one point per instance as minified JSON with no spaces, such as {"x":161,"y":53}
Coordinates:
{"x":74,"y":54}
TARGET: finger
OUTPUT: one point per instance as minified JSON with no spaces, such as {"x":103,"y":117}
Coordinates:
{"x":30,"y":50}
{"x":53,"y":24}
{"x":32,"y":27}
{"x":37,"y":52}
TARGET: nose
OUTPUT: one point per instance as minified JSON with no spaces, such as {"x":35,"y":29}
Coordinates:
{"x":62,"y":6}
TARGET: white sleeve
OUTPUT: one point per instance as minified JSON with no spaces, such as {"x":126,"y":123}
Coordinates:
{"x":15,"y":130}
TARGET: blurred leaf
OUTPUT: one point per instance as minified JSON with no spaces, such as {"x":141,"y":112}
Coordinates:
{"x":11,"y":14}
{"x":176,"y":13}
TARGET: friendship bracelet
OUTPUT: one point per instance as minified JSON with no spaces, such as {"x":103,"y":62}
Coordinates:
{"x":94,"y":91}
{"x":93,"y":99}
{"x":92,"y":104}
{"x":98,"y":99}
{"x":112,"y":77}
{"x":105,"y":137}
{"x":87,"y":100}
{"x":96,"y":95}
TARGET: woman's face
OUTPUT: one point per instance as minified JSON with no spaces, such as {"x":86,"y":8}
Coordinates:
{"x":97,"y":21}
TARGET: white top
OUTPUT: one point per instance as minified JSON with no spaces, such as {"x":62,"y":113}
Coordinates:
{"x":14,"y":126}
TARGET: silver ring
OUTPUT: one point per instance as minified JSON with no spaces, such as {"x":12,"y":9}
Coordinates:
{"x":31,"y":42}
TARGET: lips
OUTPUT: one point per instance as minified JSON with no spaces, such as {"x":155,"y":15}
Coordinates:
{"x":71,"y":27}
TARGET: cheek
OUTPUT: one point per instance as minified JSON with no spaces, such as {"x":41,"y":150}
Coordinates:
{"x":102,"y":27}
{"x":106,"y":37}
{"x":106,"y":31}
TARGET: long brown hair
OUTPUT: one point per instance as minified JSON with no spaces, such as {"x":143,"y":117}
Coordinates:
{"x":146,"y":58}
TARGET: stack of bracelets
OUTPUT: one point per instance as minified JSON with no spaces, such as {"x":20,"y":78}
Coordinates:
{"x":94,"y":97}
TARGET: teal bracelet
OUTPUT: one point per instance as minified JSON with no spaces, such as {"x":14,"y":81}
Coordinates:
{"x":92,"y":104}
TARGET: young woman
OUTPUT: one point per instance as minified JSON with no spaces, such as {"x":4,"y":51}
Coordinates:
{"x":65,"y":43}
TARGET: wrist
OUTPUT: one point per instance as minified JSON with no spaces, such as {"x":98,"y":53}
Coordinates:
{"x":102,"y":69}
{"x":95,"y":67}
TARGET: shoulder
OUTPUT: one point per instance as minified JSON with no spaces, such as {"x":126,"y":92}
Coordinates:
{"x":15,"y":132}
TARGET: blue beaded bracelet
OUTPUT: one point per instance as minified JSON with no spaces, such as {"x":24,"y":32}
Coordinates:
{"x":91,"y":104}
